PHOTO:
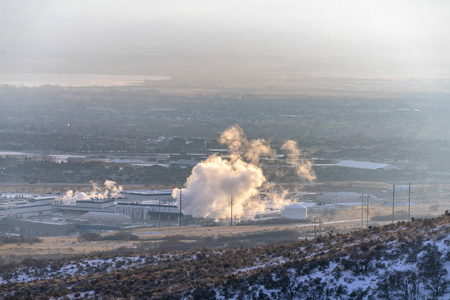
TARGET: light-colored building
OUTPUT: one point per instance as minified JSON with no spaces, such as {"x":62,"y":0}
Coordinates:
{"x":295,"y":211}
{"x":364,"y":165}
{"x":143,"y":211}
{"x":25,"y":209}
{"x":104,"y":205}
{"x":146,"y":195}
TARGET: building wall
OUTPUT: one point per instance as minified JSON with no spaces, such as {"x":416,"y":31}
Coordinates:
{"x":27,"y":210}
{"x":25,"y":227}
{"x":295,"y":213}
{"x":142,"y":212}
{"x":94,"y":204}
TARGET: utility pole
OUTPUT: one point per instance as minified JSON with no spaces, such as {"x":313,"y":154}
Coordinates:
{"x":393,"y":199}
{"x":164,"y":217}
{"x":315,"y":229}
{"x":180,"y":205}
{"x":409,"y":202}
{"x":320,"y":227}
{"x":317,"y":222}
{"x":159,"y":213}
{"x":231,"y":207}
{"x":368,"y":200}
{"x":168,"y":216}
{"x":362,"y":211}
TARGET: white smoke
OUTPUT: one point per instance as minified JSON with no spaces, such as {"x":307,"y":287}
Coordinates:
{"x":109,"y":190}
{"x":237,"y":143}
{"x":215,"y":181}
{"x":303,"y":167}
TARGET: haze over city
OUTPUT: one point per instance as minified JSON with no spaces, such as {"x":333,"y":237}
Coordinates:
{"x":224,"y":149}
{"x":253,"y":42}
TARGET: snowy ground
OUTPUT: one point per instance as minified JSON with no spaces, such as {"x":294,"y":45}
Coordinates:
{"x":376,"y":265}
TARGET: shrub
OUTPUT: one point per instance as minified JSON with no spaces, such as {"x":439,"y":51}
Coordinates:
{"x":432,"y":270}
{"x":91,"y":236}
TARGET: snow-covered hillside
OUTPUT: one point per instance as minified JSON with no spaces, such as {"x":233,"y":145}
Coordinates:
{"x":402,"y":261}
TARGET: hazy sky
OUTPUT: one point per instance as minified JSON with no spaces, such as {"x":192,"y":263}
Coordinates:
{"x":356,"y":37}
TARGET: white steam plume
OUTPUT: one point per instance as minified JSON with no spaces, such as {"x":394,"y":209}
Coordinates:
{"x":234,"y":138}
{"x":110,"y":190}
{"x":303,"y":167}
{"x":213,"y":182}
{"x":237,"y":143}
{"x":257,"y":148}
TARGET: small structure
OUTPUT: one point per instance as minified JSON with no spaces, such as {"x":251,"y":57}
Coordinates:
{"x":295,"y":211}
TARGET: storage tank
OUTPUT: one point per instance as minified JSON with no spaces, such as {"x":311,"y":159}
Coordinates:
{"x":295,"y":211}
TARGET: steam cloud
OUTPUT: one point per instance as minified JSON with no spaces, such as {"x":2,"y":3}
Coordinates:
{"x":216,"y":180}
{"x":109,"y":190}
{"x":303,"y":167}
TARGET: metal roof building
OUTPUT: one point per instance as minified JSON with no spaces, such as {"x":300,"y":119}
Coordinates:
{"x":364,"y":165}
{"x":25,"y":209}
{"x":149,"y":211}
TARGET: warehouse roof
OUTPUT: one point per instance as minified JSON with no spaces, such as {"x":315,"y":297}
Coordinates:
{"x":364,"y":165}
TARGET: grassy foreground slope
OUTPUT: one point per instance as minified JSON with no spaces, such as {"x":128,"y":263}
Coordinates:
{"x":401,"y":261}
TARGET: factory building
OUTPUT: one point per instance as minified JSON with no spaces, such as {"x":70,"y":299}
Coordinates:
{"x":43,"y":199}
{"x":104,"y":205}
{"x":38,"y":228}
{"x":25,"y":209}
{"x":146,"y":211}
{"x":136,"y":195}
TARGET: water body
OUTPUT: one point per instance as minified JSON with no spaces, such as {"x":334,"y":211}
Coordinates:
{"x":75,"y":80}
{"x":65,"y":157}
{"x":56,"y":157}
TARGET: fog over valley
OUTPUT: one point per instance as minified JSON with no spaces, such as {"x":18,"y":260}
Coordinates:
{"x":224,"y":149}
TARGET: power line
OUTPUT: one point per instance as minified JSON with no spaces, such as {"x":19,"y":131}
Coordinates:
{"x":362,"y":211}
{"x":180,"y":205}
{"x":368,"y":200}
{"x":393,"y":199}
{"x":409,"y":202}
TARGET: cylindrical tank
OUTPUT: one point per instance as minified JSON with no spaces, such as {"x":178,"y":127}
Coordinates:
{"x":295,"y":211}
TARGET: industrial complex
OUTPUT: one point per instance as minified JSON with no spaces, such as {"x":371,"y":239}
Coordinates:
{"x":76,"y":213}
{"x":48,"y":215}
